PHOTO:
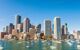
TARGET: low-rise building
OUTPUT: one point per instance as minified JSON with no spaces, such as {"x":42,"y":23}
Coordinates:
{"x":2,"y":34}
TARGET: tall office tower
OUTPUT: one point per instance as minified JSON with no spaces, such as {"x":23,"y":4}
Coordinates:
{"x":6,"y":29}
{"x":39,"y":28}
{"x":57,"y":27}
{"x":18,"y":20}
{"x":26,"y":25}
{"x":66,"y":29}
{"x":62,"y":30}
{"x":63,"y":36}
{"x":3,"y":29}
{"x":47,"y":27}
{"x":11,"y":26}
{"x":52,"y":28}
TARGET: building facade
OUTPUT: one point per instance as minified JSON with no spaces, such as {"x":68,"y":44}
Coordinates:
{"x":47,"y":26}
{"x":17,"y":20}
{"x":11,"y":26}
{"x":57,"y":27}
{"x":38,"y":28}
{"x":26,"y":25}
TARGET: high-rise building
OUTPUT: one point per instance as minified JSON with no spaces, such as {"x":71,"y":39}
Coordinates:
{"x":26,"y":25}
{"x":11,"y":26}
{"x":3,"y":29}
{"x":47,"y":27}
{"x":57,"y":27}
{"x":39,"y":28}
{"x":66,"y":29}
{"x":62,"y":30}
{"x":6,"y":29}
{"x":20,"y":27}
{"x":63,"y":35}
{"x":18,"y":20}
{"x":52,"y":28}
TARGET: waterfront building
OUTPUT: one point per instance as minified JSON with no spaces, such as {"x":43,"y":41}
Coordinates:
{"x":20,"y":36}
{"x":75,"y":34}
{"x":57,"y":27}
{"x":6,"y":29}
{"x":47,"y":27}
{"x":11,"y":26}
{"x":17,"y":20}
{"x":20,"y":27}
{"x":15,"y":32}
{"x":32,"y":30}
{"x":2,"y":34}
{"x":66,"y":29}
{"x":3,"y":29}
{"x":78,"y":35}
{"x":26,"y":25}
{"x":62,"y":30}
{"x":38,"y":28}
{"x":52,"y":28}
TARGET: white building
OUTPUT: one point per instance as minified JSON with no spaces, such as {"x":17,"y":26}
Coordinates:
{"x":57,"y":27}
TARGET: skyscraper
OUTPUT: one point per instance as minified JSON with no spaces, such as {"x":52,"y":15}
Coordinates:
{"x":11,"y":26}
{"x":6,"y":29}
{"x":62,"y":30}
{"x":57,"y":27}
{"x":66,"y":29}
{"x":39,"y":28}
{"x":18,"y":20}
{"x":26,"y":25}
{"x":3,"y":29}
{"x":47,"y":27}
{"x":53,"y":28}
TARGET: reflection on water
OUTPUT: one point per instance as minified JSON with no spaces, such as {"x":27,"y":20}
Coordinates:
{"x":69,"y":45}
{"x":38,"y":45}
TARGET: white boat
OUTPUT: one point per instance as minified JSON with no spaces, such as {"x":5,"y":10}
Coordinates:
{"x":78,"y":46}
{"x":58,"y":41}
{"x":27,"y":46}
{"x":52,"y":47}
{"x":1,"y":47}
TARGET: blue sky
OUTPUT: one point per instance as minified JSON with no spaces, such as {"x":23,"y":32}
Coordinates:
{"x":38,"y":10}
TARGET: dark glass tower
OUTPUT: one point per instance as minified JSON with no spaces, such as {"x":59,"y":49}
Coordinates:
{"x":18,"y":20}
{"x":39,"y":28}
{"x":11,"y":26}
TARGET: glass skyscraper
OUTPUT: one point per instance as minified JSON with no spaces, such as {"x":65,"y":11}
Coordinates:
{"x":18,"y":20}
{"x":47,"y":27}
{"x":26,"y":25}
{"x":57,"y":27}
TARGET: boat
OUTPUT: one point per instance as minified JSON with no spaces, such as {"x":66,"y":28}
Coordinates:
{"x":52,"y":47}
{"x":1,"y":47}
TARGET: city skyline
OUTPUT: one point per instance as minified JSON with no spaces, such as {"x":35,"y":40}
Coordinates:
{"x":39,"y":10}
